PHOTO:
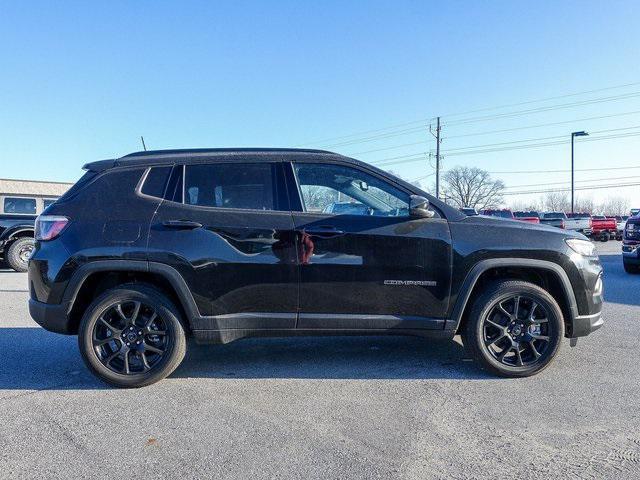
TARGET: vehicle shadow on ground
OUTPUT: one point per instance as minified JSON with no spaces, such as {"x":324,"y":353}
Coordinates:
{"x":617,"y":282}
{"x":34,"y":359}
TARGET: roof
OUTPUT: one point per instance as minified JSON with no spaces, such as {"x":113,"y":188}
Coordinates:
{"x":10,"y":186}
{"x":170,"y":156}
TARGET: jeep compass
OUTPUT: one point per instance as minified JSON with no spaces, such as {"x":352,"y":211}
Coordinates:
{"x":222,"y":244}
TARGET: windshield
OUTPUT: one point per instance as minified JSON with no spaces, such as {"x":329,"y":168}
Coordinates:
{"x":555,"y":215}
{"x":499,"y":213}
{"x":525,"y":214}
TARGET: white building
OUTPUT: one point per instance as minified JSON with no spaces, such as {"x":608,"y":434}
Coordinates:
{"x":28,"y":197}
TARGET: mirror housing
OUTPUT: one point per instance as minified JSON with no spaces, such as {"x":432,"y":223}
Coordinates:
{"x":419,"y":207}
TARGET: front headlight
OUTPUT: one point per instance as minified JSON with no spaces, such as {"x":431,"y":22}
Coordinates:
{"x":583,"y":247}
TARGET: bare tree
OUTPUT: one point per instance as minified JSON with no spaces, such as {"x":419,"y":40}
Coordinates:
{"x":472,"y":187}
{"x":525,"y":206}
{"x":556,"y":202}
{"x":615,"y":206}
{"x":584,"y":204}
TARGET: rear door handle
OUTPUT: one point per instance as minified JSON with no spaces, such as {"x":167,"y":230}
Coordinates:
{"x":181,"y":224}
{"x":323,"y":231}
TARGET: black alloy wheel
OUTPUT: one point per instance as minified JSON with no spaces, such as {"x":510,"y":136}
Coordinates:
{"x":514,"y":328}
{"x":132,"y":336}
{"x":516,"y":331}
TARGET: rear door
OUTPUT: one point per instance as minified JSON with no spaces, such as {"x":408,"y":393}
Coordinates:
{"x":369,"y":265}
{"x":227,"y":229}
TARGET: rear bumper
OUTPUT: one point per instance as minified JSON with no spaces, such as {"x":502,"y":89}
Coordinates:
{"x":50,"y":316}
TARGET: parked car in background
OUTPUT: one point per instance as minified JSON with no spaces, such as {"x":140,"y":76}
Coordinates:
{"x":469,"y":211}
{"x":554,"y":219}
{"x":580,"y":222}
{"x":603,"y":228}
{"x":621,"y":221}
{"x":634,"y":212}
{"x":347,"y":208}
{"x":500,"y":213}
{"x":531,"y":217}
{"x":223,"y":244}
{"x":17,"y":218}
{"x":631,"y":245}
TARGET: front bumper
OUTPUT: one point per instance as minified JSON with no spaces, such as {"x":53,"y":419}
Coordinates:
{"x":51,"y":317}
{"x":583,"y":325}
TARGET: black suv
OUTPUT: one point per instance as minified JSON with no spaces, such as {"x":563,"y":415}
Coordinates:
{"x":223,"y":244}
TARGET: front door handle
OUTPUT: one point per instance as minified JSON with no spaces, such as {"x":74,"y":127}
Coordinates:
{"x":181,"y":224}
{"x":324,"y":231}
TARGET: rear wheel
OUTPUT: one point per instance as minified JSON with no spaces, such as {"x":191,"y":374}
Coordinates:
{"x":514,"y":329}
{"x":630,"y":268}
{"x":604,"y":237}
{"x":19,"y":252}
{"x":131,"y":336}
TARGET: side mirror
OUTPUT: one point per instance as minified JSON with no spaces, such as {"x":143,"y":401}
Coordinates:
{"x":419,"y":207}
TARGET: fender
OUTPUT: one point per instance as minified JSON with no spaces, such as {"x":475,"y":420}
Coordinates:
{"x":9,"y":233}
{"x":168,"y":273}
{"x":472,"y":278}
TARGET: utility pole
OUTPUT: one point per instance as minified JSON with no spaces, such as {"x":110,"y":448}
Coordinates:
{"x":437,"y":137}
{"x":573,"y":135}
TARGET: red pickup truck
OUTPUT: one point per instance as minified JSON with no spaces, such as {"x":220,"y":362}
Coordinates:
{"x":531,"y":217}
{"x":604,"y":228}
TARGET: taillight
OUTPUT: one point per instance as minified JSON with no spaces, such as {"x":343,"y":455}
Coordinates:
{"x":49,"y":227}
{"x":562,"y":224}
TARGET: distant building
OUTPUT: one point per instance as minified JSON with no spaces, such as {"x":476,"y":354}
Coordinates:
{"x":28,"y":197}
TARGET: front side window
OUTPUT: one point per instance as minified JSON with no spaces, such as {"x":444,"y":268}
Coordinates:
{"x":230,"y":185}
{"x":342,"y":190}
{"x":20,"y":205}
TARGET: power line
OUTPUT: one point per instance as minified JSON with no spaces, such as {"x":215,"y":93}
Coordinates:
{"x":615,"y":185}
{"x":558,"y":97}
{"x":424,"y":121}
{"x":542,"y":109}
{"x":577,"y":181}
{"x":540,"y":125}
{"x":410,"y":157}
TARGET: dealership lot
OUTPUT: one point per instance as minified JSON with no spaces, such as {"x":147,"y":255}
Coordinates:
{"x":376,"y":407}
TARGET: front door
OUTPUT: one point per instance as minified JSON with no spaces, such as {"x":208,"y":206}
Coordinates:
{"x":364,"y":262}
{"x":227,"y":229}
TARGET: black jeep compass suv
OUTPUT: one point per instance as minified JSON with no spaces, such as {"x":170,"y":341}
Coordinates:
{"x":223,"y":244}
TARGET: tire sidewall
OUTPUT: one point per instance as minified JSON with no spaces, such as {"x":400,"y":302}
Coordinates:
{"x":501,"y":292}
{"x":13,"y":255}
{"x":165,"y":309}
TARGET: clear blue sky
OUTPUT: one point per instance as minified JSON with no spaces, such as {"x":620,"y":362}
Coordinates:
{"x":81,"y":81}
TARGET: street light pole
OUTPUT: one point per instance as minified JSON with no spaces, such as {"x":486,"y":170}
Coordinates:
{"x":573,"y":135}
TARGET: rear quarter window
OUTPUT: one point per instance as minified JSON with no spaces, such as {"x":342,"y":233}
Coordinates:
{"x":155,"y":181}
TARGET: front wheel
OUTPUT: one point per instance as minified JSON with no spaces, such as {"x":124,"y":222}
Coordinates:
{"x":514,"y":329}
{"x":131,"y":336}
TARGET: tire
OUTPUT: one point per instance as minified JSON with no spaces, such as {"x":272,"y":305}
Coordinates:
{"x":127,"y":357}
{"x":480,"y":336}
{"x":18,"y":253}
{"x":604,"y":237}
{"x":630,"y":268}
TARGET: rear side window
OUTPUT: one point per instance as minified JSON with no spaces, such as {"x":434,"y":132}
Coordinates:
{"x":156,"y":181}
{"x":26,"y":206}
{"x":231,"y":185}
{"x":48,"y":201}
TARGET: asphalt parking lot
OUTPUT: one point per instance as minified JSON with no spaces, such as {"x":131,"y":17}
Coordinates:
{"x":375,"y":407}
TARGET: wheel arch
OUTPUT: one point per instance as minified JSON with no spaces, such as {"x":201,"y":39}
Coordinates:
{"x":545,"y":274}
{"x":94,"y":278}
{"x":18,"y":232}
